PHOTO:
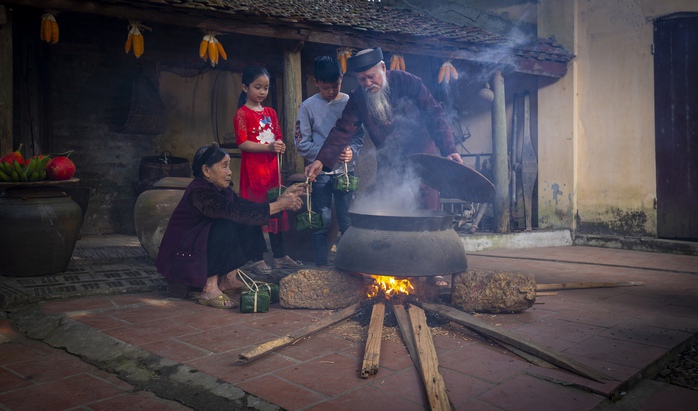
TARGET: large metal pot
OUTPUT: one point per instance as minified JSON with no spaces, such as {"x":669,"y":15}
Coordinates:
{"x":421,"y":243}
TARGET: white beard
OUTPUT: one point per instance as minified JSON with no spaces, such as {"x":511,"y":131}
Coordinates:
{"x":378,"y":104}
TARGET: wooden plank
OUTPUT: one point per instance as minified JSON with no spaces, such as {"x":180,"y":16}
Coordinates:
{"x":515,"y":341}
{"x":545,"y":293}
{"x":576,"y":286}
{"x":372,"y":353}
{"x":289,"y":338}
{"x":429,"y":363}
{"x":6,"y":89}
{"x":403,"y":323}
{"x":293,"y":96}
{"x":529,"y":164}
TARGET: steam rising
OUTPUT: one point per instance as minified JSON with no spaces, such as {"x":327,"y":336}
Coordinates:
{"x":395,"y":192}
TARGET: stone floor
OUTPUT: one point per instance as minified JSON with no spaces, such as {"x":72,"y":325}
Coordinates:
{"x":99,"y":345}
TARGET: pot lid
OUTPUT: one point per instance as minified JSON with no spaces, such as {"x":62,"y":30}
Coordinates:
{"x":451,"y":179}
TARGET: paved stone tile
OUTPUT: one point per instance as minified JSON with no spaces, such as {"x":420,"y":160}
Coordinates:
{"x":368,"y":398}
{"x":613,"y":351}
{"x":406,"y":384}
{"x":226,"y":338}
{"x":330,"y":375}
{"x":526,"y":393}
{"x":61,"y":394}
{"x":490,"y":363}
{"x":76,"y":304}
{"x":176,"y":350}
{"x":462,"y":387}
{"x":141,"y":400}
{"x":148,"y":332}
{"x":287,"y":395}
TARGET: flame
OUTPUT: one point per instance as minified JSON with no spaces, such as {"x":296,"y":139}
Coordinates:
{"x":389,"y":286}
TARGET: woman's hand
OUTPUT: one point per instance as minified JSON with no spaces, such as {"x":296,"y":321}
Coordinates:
{"x":290,"y":199}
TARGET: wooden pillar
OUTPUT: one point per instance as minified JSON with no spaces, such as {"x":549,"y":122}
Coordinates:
{"x":293,"y":94}
{"x":6,"y":107}
{"x":500,"y":167}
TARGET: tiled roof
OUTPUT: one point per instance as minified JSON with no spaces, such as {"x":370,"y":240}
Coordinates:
{"x":398,"y":27}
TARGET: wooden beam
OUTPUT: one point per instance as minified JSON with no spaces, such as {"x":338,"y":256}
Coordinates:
{"x":576,"y":286}
{"x":6,"y":90}
{"x":429,"y":362}
{"x":500,"y":167}
{"x":293,"y":96}
{"x":372,"y":352}
{"x":515,"y":341}
{"x":230,"y":22}
{"x":289,"y":338}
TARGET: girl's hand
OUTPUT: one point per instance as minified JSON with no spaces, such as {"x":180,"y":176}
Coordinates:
{"x":278,"y":146}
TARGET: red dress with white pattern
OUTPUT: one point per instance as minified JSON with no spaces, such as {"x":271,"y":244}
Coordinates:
{"x":258,"y":171}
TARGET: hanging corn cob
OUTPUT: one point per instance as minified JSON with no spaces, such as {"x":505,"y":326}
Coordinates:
{"x":49,"y":28}
{"x":210,"y":49}
{"x":342,"y":55}
{"x":397,"y":62}
{"x":135,"y":38}
{"x":447,"y":72}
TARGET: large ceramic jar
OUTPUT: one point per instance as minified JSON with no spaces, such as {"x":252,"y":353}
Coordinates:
{"x":40,"y":226}
{"x":153,"y":209}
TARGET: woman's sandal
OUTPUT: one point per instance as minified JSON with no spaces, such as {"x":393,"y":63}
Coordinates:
{"x":218,"y":301}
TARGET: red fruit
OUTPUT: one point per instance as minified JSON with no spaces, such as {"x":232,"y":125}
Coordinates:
{"x":15,"y":155}
{"x":60,"y":168}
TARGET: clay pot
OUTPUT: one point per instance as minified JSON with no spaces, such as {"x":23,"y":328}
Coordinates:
{"x":153,"y":209}
{"x":417,"y":244}
{"x":40,"y":226}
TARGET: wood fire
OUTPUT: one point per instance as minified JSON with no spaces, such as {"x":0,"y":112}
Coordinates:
{"x":389,"y":286}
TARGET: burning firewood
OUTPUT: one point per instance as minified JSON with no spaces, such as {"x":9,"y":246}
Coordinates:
{"x":372,"y":352}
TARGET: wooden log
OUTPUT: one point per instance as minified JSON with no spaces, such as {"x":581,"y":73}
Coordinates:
{"x":289,"y":338}
{"x":515,"y":341}
{"x":500,"y":167}
{"x":576,"y":286}
{"x":372,"y":353}
{"x":429,"y":363}
{"x":403,"y":323}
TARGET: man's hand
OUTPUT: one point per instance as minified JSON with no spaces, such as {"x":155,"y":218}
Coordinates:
{"x":313,"y":169}
{"x":346,"y":155}
{"x":455,"y":157}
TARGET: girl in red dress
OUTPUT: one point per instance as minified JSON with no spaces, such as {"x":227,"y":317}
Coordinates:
{"x":259,"y":138}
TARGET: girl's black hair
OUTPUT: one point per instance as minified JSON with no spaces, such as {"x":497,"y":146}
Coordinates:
{"x":248,"y":77}
{"x":208,"y":156}
{"x":327,"y":69}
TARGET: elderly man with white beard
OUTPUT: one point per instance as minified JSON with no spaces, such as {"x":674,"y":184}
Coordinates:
{"x":401,"y":117}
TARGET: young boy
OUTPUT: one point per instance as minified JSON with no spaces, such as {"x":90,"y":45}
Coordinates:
{"x":317,"y":115}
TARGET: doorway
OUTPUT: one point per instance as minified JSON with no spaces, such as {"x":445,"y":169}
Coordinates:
{"x":676,"y":125}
